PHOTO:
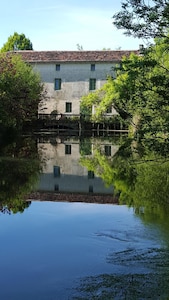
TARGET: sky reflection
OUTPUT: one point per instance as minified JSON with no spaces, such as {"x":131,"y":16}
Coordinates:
{"x":49,"y":247}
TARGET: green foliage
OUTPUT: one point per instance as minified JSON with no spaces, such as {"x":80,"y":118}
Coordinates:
{"x":139,"y":93}
{"x":101,"y":99}
{"x":149,"y":85}
{"x":115,"y":171}
{"x":17,"y":42}
{"x":141,"y":18}
{"x":17,"y":177}
{"x":155,"y":107}
{"x":14,"y":206}
{"x":152,"y":182}
{"x":138,"y":173}
{"x":100,"y":165}
{"x":20,"y":166}
{"x":85,"y":147}
{"x":20,"y":91}
{"x":144,"y":172}
{"x":86,"y":104}
{"x":119,"y":92}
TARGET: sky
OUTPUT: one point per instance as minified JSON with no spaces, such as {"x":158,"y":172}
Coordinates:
{"x":62,"y":24}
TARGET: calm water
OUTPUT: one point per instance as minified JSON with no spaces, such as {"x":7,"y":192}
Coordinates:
{"x":51,"y":246}
{"x":62,"y":250}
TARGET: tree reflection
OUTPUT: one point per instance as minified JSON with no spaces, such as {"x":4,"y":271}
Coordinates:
{"x":19,"y":171}
{"x":139,"y":172}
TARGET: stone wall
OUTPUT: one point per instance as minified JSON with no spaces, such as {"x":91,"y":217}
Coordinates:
{"x":74,"y":83}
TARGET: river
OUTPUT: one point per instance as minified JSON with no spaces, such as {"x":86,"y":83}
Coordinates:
{"x":62,"y":238}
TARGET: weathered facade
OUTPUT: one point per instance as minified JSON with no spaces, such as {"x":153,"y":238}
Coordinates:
{"x":69,"y":75}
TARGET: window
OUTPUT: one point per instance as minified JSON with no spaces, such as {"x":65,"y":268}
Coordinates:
{"x":57,"y":83}
{"x":56,"y":188}
{"x":107,"y":150}
{"x":90,"y":174}
{"x":56,"y":171}
{"x":68,"y":108}
{"x":92,"y":67}
{"x":57,"y":67}
{"x":109,"y":110}
{"x":90,"y":189}
{"x":68,"y":149}
{"x":92,"y":84}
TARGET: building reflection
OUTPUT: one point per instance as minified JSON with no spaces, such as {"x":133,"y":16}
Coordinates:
{"x":62,"y":172}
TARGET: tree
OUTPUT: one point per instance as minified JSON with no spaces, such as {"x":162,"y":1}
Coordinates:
{"x":79,"y":47}
{"x":143,"y":18}
{"x":17,"y":42}
{"x":106,"y":49}
{"x":20,"y":91}
{"x":118,"y":92}
{"x":139,"y":93}
{"x":149,"y":19}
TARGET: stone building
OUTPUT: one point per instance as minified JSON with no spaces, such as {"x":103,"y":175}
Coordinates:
{"x":69,"y":75}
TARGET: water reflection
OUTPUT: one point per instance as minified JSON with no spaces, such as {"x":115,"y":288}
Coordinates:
{"x":19,"y":172}
{"x":139,"y":175}
{"x":51,"y":164}
{"x":114,"y":251}
{"x":132,"y":173}
{"x":126,"y":170}
{"x":64,"y":170}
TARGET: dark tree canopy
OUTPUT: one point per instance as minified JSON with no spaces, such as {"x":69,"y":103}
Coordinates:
{"x":143,"y":18}
{"x":17,"y":42}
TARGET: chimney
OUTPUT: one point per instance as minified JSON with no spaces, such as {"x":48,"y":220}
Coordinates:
{"x":141,"y":49}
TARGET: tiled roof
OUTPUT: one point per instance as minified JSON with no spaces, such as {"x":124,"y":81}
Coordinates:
{"x":74,"y":56}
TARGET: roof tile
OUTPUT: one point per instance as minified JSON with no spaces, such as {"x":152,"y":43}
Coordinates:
{"x":74,"y":56}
